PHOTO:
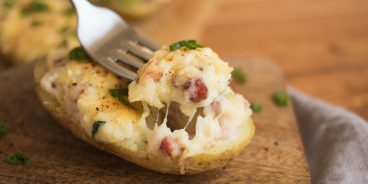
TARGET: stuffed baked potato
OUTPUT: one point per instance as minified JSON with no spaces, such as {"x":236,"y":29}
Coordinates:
{"x":29,"y":29}
{"x":179,"y":116}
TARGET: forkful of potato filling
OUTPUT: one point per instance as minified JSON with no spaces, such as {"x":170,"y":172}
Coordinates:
{"x":188,"y":86}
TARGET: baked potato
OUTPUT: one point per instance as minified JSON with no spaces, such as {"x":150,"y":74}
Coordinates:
{"x":179,"y":116}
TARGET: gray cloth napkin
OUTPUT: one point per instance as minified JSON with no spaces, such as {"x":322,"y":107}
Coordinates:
{"x":335,"y":141}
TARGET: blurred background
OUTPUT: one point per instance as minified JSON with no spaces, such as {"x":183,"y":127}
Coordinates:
{"x":321,"y":45}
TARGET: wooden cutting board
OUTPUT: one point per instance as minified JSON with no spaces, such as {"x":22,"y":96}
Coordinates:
{"x":275,"y":154}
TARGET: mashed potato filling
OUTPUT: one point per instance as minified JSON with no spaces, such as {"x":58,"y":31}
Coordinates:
{"x":195,"y":81}
{"x":192,"y":78}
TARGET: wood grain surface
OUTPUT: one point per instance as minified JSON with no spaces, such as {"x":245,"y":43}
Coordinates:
{"x":275,"y":155}
{"x":321,"y":45}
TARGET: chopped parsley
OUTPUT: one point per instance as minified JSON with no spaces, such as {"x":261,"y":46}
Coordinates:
{"x":256,"y":107}
{"x":280,"y":98}
{"x":8,"y":3}
{"x":17,"y":158}
{"x":119,"y":91}
{"x":189,"y":44}
{"x":78,"y":53}
{"x":2,"y":128}
{"x":121,"y":94}
{"x":36,"y":6}
{"x":36,"y":23}
{"x":238,"y":75}
{"x":96,"y":125}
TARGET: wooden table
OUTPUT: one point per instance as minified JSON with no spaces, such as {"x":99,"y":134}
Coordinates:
{"x":322,"y":45}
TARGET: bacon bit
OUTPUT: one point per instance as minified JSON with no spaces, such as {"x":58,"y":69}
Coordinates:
{"x":167,"y":146}
{"x":171,"y":59}
{"x":152,"y":71}
{"x":170,"y":146}
{"x":197,"y":90}
{"x":53,"y":84}
{"x":200,"y":69}
{"x":216,"y":107}
{"x":156,"y":76}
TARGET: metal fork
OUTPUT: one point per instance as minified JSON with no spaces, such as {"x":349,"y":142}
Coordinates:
{"x":110,"y":41}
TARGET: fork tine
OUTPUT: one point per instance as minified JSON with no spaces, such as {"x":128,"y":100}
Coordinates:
{"x":137,"y":50}
{"x":112,"y":42}
{"x":127,"y":58}
{"x":111,"y":65}
{"x":147,"y":43}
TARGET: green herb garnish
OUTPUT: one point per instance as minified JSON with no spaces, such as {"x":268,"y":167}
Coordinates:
{"x":96,"y":125}
{"x":19,"y":157}
{"x":8,"y":3}
{"x":238,"y":75}
{"x":78,"y":53}
{"x":256,"y":107}
{"x":189,"y":44}
{"x":119,"y":91}
{"x":12,"y":160}
{"x":280,"y":98}
{"x":177,"y":45}
{"x":36,"y":6}
{"x":2,"y":128}
{"x":121,"y":94}
{"x":36,"y":23}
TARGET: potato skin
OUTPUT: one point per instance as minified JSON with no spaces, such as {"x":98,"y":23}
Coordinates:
{"x":163,"y":164}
